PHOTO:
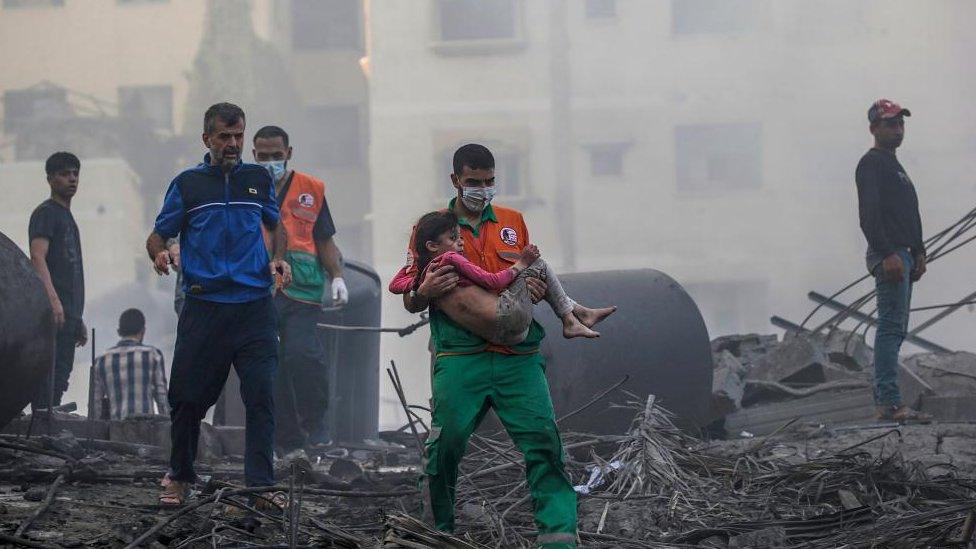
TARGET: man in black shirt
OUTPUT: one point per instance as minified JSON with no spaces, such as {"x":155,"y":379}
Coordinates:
{"x":55,"y":251}
{"x":888,"y":210}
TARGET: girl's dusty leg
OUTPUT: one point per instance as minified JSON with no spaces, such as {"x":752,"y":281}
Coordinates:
{"x":591,"y":317}
{"x":560,"y":302}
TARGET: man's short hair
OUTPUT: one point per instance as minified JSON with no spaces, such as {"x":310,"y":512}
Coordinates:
{"x":61,"y":161}
{"x":270,"y":132}
{"x":474,"y":156}
{"x":131,"y":322}
{"x":228,"y":112}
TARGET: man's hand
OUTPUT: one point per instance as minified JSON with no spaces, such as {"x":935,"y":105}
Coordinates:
{"x":919,"y":269}
{"x":81,"y":338}
{"x":537,"y":288}
{"x":894,"y":268}
{"x":161,"y":262}
{"x":340,"y":294}
{"x":438,"y":282}
{"x":281,"y":270}
{"x":174,"y":254}
{"x":58,"y":309}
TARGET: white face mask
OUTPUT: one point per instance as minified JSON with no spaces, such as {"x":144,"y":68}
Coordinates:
{"x":477,"y":199}
{"x":276,"y":168}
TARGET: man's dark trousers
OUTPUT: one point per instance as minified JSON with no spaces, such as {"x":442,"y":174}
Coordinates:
{"x":302,"y":384}
{"x":65,"y":341}
{"x":209,"y":338}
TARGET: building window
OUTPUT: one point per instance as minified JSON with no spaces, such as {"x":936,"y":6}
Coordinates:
{"x":33,"y":3}
{"x":23,"y":107}
{"x":601,"y":9}
{"x":713,"y":16}
{"x":465,"y":20}
{"x":511,"y":167}
{"x":335,"y":140}
{"x":718,"y":157}
{"x":326,"y":25}
{"x":607,"y":159}
{"x":151,"y":103}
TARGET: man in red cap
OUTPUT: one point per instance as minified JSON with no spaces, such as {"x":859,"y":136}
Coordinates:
{"x":888,"y":209}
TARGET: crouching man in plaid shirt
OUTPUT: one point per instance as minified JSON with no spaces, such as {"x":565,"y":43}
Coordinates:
{"x":130,"y":376}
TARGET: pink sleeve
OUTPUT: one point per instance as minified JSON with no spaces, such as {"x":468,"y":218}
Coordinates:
{"x":481,"y":277}
{"x":402,"y":282}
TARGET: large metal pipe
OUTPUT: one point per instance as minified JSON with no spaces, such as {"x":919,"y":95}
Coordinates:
{"x":657,"y":338}
{"x":26,"y":334}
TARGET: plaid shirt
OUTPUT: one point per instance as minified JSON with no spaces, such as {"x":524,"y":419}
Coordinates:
{"x":130,"y":376}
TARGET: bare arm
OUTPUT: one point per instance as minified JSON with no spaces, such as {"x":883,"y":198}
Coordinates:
{"x":38,"y":256}
{"x":436,"y":283}
{"x":158,"y":253}
{"x":330,"y":257}
{"x":279,"y":242}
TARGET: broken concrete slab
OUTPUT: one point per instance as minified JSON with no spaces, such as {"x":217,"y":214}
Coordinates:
{"x":949,"y":374}
{"x":832,"y":407}
{"x":77,"y":425}
{"x":949,"y":408}
{"x":800,"y":359}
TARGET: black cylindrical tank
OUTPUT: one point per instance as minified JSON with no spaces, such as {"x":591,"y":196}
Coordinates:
{"x":354,"y":357}
{"x":657,"y":337}
{"x":26,"y":332}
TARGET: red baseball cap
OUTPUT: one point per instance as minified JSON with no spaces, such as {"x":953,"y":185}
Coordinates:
{"x":886,"y":108}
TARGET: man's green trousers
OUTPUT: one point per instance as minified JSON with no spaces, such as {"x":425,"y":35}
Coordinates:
{"x":464,"y":388}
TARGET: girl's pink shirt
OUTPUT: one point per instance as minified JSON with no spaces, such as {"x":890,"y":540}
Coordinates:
{"x":468,"y":272}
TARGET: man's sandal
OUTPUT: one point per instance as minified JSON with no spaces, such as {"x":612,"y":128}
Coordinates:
{"x":174,"y":492}
{"x":902,"y":414}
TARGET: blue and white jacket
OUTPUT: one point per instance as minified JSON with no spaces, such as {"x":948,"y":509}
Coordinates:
{"x":218,"y":217}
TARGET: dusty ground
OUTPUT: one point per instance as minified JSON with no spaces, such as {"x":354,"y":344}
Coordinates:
{"x":121,"y":504}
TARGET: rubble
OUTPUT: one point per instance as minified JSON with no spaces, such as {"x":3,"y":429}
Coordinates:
{"x":651,"y":486}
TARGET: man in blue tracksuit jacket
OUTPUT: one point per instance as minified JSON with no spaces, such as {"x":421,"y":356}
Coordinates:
{"x":217,"y":208}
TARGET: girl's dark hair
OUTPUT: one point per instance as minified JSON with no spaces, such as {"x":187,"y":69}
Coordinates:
{"x":429,"y":228}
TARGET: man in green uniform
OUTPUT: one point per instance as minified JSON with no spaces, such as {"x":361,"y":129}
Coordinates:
{"x":471,"y":375}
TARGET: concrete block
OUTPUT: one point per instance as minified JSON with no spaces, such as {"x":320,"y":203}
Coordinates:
{"x":849,"y":350}
{"x":798,"y":360}
{"x":149,"y":430}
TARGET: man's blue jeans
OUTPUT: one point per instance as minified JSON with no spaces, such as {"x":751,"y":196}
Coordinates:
{"x":894,"y":302}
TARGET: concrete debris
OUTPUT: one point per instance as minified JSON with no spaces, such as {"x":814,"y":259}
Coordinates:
{"x":800,"y":359}
{"x":949,"y":374}
{"x":828,"y":376}
{"x":728,"y":384}
{"x":849,"y":350}
{"x":748,"y":348}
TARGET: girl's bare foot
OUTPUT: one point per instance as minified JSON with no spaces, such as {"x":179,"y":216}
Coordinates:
{"x":591,"y":317}
{"x":572,"y":327}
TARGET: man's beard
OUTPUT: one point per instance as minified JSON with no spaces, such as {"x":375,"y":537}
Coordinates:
{"x":226,"y":163}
